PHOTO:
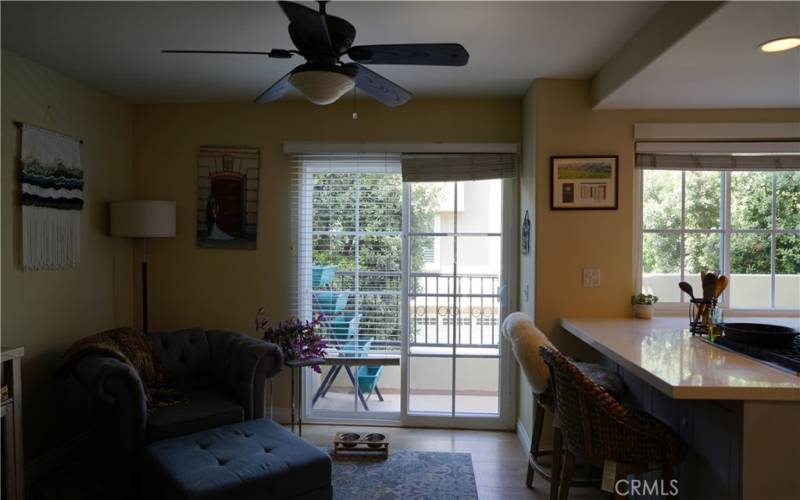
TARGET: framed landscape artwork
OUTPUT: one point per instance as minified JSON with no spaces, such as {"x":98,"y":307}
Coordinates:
{"x":227,"y":197}
{"x":583,"y":182}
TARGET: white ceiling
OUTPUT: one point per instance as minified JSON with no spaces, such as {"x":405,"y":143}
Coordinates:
{"x":719,"y":64}
{"x":115,"y":46}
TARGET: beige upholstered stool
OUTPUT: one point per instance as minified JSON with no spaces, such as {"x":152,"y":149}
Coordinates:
{"x":525,"y":341}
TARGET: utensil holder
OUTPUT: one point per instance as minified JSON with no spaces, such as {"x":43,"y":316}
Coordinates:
{"x":701,"y":315}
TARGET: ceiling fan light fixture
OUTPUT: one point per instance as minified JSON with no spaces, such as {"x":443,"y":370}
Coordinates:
{"x":781,"y":44}
{"x":322,"y":87}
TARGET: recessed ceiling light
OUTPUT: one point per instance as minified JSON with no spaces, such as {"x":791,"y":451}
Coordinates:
{"x":781,"y":44}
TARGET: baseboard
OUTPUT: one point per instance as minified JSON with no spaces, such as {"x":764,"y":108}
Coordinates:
{"x":522,"y":435}
{"x":41,"y":467}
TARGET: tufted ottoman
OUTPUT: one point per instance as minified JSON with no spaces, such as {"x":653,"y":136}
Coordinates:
{"x":252,"y":460}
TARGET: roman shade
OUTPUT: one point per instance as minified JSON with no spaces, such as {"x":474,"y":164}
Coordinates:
{"x":442,"y":167}
{"x":764,"y":155}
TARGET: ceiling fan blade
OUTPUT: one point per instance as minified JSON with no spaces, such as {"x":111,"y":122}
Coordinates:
{"x":428,"y":54}
{"x":275,"y":53}
{"x":308,"y":26}
{"x":380,"y":88}
{"x":276,"y":91}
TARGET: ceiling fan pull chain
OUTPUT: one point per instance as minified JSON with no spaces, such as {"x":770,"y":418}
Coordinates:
{"x":355,"y":101}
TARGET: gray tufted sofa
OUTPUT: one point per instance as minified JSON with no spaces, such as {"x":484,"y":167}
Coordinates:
{"x":222,"y":375}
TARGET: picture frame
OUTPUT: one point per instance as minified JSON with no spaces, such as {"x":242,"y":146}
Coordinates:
{"x":526,"y":234}
{"x":584,"y":182}
{"x":227,"y":197}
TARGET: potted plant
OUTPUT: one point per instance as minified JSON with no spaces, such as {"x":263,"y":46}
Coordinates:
{"x":643,"y":305}
{"x":297,"y":339}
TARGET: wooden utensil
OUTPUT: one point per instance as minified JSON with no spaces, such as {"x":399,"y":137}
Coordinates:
{"x":709,"y":285}
{"x":720,"y":286}
{"x":687,"y":288}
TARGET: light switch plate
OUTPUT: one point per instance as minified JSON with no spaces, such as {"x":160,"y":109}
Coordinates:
{"x":591,"y":277}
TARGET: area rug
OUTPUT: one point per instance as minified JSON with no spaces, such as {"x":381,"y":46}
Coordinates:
{"x":406,"y":475}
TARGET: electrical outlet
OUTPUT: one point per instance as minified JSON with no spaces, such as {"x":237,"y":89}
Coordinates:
{"x":591,"y":277}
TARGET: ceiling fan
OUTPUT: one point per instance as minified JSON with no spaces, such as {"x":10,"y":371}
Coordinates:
{"x":323,"y":39}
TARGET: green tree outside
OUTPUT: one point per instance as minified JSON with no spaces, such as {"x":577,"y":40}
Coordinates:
{"x":751,"y":208}
{"x":379,"y":209}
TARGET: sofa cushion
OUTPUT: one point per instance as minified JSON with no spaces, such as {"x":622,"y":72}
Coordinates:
{"x":256,"y":459}
{"x":202,"y":410}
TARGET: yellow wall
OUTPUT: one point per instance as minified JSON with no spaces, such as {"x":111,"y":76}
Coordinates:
{"x":222,"y":288}
{"x":45,"y":311}
{"x":568,"y":241}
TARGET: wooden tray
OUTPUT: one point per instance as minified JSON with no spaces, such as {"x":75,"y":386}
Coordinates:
{"x":354,"y":445}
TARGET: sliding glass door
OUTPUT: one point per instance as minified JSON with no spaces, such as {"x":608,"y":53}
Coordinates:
{"x":408,"y":281}
{"x":456,"y":299}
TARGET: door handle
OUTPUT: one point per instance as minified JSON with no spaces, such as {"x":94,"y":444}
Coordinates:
{"x":502,"y":294}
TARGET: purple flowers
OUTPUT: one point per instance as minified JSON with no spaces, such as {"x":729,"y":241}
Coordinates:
{"x":296,"y":338}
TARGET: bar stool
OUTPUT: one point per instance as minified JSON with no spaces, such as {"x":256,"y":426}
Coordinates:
{"x":525,"y":341}
{"x":598,"y":428}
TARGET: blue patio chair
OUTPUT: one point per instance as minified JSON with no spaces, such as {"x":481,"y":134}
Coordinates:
{"x":322,"y":276}
{"x":331,"y":304}
{"x":365,"y":381}
{"x":367,"y":375}
{"x":368,"y":380}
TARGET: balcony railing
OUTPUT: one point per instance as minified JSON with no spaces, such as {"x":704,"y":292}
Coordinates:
{"x":444,"y":307}
{"x":441,"y":307}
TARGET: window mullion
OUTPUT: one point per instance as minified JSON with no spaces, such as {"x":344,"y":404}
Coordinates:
{"x":683,"y":229}
{"x":357,"y":274}
{"x":773,"y":241}
{"x":727,"y":231}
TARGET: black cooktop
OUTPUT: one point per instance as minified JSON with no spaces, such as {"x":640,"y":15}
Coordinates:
{"x":786,"y":357}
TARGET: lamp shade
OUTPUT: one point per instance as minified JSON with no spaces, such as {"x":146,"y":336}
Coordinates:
{"x":143,"y":219}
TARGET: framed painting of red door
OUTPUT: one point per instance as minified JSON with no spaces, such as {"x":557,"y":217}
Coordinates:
{"x":227,"y":197}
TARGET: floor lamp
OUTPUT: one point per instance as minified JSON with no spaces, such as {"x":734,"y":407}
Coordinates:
{"x":143,"y":219}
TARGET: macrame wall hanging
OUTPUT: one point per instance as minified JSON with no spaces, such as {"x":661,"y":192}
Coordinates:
{"x":52,"y":199}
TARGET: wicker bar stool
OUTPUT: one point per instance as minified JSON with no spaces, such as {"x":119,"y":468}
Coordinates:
{"x":525,"y":341}
{"x":599,"y":429}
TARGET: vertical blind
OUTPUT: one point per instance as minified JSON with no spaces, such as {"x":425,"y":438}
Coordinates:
{"x":348,"y":225}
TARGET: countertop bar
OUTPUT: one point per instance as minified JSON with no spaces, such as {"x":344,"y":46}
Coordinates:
{"x":663,"y":353}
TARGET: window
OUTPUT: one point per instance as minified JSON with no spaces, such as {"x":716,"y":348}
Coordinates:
{"x":743,"y":223}
{"x":399,"y":275}
{"x":353,"y":254}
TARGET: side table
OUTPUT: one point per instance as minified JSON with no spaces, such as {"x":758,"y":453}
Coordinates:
{"x":296,"y":390}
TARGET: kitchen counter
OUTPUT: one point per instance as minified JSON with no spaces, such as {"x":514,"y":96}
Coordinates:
{"x":663,"y":353}
{"x":739,"y":417}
